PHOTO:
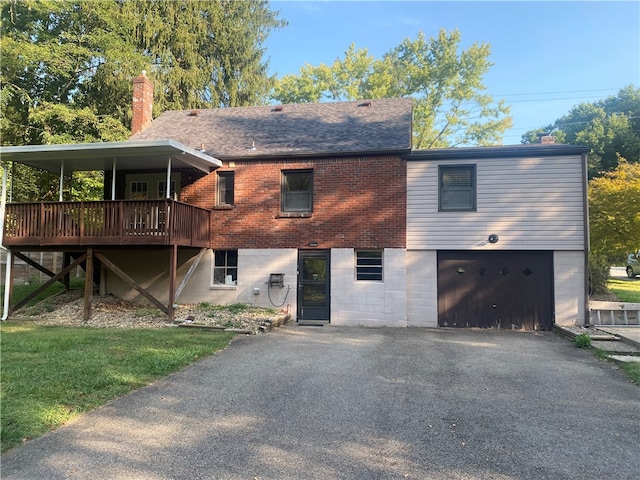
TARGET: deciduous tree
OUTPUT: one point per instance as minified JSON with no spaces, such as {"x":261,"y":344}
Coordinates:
{"x":445,"y":82}
{"x":614,"y":211}
{"x":611,"y":127}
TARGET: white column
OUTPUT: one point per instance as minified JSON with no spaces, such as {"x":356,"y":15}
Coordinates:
{"x":113,"y":180}
{"x":61,"y":178}
{"x":168,"y":194}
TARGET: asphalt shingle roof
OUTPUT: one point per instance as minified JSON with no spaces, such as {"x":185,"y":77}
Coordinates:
{"x":294,"y":129}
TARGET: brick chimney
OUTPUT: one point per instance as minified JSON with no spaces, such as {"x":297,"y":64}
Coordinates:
{"x":546,"y":138}
{"x":142,"y":103}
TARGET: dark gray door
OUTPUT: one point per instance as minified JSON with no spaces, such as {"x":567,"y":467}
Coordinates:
{"x":506,"y":290}
{"x":313,"y":286}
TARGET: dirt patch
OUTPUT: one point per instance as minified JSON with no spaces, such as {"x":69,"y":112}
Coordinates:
{"x":111,"y":312}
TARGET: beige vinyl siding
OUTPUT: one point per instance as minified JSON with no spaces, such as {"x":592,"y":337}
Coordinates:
{"x":530,"y":203}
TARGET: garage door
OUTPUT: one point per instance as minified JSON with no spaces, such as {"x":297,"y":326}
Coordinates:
{"x":506,"y":290}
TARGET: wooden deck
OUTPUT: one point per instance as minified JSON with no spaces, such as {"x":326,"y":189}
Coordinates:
{"x":119,"y":222}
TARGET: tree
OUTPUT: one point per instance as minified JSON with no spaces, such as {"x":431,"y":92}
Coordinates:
{"x":83,"y":55}
{"x":610,"y":127}
{"x":445,"y":83}
{"x":67,"y":68}
{"x":614,"y":211}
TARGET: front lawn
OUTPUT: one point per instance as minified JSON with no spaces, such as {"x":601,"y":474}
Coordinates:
{"x":52,"y":374}
{"x":625,"y":290}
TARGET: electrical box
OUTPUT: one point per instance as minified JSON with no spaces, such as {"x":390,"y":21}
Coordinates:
{"x":276,"y":279}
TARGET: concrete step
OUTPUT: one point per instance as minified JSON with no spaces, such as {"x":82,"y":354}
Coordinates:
{"x":616,"y":348}
{"x":625,"y":358}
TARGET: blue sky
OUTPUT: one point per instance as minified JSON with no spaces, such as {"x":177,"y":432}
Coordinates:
{"x":547,"y":56}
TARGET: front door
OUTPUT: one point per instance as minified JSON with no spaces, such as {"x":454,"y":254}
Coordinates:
{"x":313,"y":286}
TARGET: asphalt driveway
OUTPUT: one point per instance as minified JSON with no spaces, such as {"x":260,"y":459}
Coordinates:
{"x":356,"y":403}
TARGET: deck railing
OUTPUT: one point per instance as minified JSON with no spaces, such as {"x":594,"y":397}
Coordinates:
{"x":118,"y":222}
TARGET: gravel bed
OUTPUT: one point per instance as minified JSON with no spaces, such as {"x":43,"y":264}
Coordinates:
{"x":111,"y":312}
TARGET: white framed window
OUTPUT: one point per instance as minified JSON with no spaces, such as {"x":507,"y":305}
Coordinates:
{"x":225,"y":270}
{"x":369,"y":265}
{"x":139,"y":191}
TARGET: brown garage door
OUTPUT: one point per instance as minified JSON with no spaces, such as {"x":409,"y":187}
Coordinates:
{"x":506,"y":290}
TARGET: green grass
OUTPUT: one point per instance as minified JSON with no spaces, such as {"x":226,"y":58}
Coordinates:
{"x":632,"y":370}
{"x":50,"y":374}
{"x":21,"y":291}
{"x":625,"y":290}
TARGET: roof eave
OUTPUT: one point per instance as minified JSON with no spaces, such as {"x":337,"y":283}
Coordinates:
{"x":502,"y":151}
{"x":308,"y":155}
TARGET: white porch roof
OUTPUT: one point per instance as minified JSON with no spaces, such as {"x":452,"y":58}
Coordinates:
{"x":125,"y":155}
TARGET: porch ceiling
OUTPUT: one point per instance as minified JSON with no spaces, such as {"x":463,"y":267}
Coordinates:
{"x":129,"y":155}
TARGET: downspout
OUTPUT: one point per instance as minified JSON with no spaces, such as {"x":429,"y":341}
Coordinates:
{"x":7,"y":272}
{"x":585,"y":200}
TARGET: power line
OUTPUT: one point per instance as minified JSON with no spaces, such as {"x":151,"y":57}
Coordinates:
{"x":557,"y":93}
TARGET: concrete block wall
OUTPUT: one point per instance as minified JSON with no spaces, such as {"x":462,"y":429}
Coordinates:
{"x":422,"y":288}
{"x":370,"y":303}
{"x":569,"y":294}
{"x":254,"y":267}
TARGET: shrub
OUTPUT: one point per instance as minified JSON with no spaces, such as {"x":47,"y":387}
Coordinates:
{"x":582,"y":341}
{"x":598,"y":274}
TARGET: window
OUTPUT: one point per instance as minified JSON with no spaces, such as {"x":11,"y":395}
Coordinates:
{"x":369,"y":265}
{"x":457,"y":188}
{"x":225,"y":188}
{"x":162,"y":189}
{"x":225,"y":270}
{"x":138,"y":191}
{"x":297,"y":191}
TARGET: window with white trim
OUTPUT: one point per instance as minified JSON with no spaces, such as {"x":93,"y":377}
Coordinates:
{"x":457,"y":188}
{"x":225,"y":270}
{"x":369,"y":265}
{"x":139,"y":191}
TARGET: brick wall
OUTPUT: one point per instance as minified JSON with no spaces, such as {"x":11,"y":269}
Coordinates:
{"x":358,"y":202}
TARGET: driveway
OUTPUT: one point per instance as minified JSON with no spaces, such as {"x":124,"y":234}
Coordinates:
{"x":357,"y":403}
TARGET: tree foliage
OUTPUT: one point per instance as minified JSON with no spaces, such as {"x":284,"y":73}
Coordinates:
{"x":614,"y":210}
{"x":80,"y":57}
{"x":67,"y":69}
{"x":445,"y":82}
{"x":610,"y":127}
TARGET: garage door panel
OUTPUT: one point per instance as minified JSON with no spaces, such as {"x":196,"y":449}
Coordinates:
{"x":507,"y":290}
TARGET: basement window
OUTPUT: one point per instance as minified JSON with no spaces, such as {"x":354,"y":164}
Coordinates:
{"x":225,"y":270}
{"x":369,"y":265}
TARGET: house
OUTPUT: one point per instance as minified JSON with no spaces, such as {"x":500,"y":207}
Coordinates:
{"x":322,"y":210}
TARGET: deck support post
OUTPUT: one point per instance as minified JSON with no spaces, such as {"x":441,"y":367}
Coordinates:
{"x":88,"y":285}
